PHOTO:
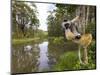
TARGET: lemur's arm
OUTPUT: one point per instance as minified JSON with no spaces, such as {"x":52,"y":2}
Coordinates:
{"x":75,"y":19}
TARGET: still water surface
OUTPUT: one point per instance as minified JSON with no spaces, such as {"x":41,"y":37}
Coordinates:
{"x":37,"y":57}
{"x":43,"y":60}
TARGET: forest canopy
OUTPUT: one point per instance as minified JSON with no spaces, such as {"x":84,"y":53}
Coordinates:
{"x":24,"y":18}
{"x":86,"y":23}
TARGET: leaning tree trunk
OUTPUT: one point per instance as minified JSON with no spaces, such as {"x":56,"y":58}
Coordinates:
{"x":83,"y":21}
{"x":85,"y":56}
{"x":87,"y":16}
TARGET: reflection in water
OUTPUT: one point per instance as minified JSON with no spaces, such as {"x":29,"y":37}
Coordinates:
{"x":24,"y":60}
{"x":28,"y":48}
{"x":38,"y":57}
{"x":43,"y":60}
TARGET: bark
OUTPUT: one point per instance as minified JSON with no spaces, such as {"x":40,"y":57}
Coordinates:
{"x":87,"y":16}
{"x":85,"y":56}
{"x":83,"y":21}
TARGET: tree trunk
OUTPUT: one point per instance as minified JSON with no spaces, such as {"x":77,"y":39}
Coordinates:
{"x":85,"y":56}
{"x":83,"y":21}
{"x":87,"y":16}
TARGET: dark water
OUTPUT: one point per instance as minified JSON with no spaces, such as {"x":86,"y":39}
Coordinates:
{"x":38,"y":57}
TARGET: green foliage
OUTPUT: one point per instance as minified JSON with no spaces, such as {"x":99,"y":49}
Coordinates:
{"x":67,"y":61}
{"x":23,"y":7}
{"x":23,"y":41}
{"x":41,"y":34}
{"x":92,"y":59}
{"x":92,"y":54}
{"x":65,"y":11}
{"x":30,"y":14}
{"x":62,"y":12}
{"x":70,"y":60}
{"x":58,"y":40}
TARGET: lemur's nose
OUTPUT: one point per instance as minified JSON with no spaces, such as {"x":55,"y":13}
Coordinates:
{"x":78,"y":37}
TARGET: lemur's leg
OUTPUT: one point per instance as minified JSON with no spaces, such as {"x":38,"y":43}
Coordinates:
{"x":79,"y":54}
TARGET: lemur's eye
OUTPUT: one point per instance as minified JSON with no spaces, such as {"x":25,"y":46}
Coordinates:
{"x":67,"y":25}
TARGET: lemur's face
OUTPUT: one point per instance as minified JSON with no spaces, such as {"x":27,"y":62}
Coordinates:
{"x":67,"y":25}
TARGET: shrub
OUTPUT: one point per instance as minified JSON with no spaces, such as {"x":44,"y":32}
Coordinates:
{"x":91,"y":57}
{"x":67,"y":61}
{"x":70,"y":60}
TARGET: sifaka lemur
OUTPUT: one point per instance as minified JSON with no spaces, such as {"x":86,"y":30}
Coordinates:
{"x":83,"y":40}
{"x":70,"y":28}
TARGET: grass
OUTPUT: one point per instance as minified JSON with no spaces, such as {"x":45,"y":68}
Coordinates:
{"x":70,"y":60}
{"x":23,"y":40}
{"x":67,"y":61}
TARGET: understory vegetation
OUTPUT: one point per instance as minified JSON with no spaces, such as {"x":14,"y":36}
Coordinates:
{"x":70,"y":60}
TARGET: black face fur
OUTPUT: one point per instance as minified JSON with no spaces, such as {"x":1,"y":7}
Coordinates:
{"x":67,"y":25}
{"x":65,"y":20}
